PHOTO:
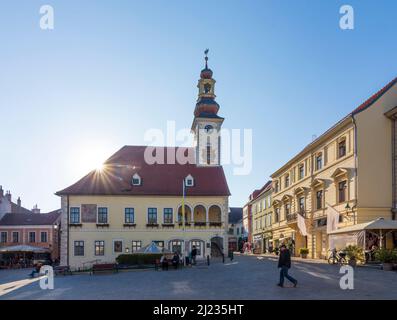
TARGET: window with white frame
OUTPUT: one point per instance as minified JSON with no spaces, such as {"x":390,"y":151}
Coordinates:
{"x":15,"y":237}
{"x":99,"y":248}
{"x":43,"y":236}
{"x":32,"y":236}
{"x":79,"y":248}
{"x":152,"y":215}
{"x":74,"y":215}
{"x":136,"y":245}
{"x":168,"y":216}
{"x":3,"y":238}
{"x":102,"y":215}
{"x":129,"y":215}
{"x":189,"y":181}
{"x":136,"y":180}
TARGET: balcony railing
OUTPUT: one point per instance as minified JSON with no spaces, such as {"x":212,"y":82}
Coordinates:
{"x":292,"y":217}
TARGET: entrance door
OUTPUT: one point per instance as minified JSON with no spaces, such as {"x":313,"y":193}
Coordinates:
{"x":199,"y":246}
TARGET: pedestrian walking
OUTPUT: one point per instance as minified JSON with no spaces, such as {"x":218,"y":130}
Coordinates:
{"x":194,"y":254}
{"x":284,"y":263}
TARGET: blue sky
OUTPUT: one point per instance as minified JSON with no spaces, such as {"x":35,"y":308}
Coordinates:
{"x":112,"y":69}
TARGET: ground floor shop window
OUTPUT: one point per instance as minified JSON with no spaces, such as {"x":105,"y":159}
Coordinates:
{"x":79,"y":248}
{"x":176,"y":246}
{"x":136,"y":245}
{"x":198,"y":244}
{"x":100,"y":248}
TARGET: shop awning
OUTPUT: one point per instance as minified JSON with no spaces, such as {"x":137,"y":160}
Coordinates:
{"x":24,"y":248}
{"x":378,"y":224}
{"x":153,"y":248}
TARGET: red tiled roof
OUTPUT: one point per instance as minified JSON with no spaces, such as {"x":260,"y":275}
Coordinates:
{"x":18,"y":209}
{"x":157,"y":179}
{"x":374,"y":97}
{"x":20,"y":219}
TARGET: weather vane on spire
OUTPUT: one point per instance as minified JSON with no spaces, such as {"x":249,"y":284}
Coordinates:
{"x":206,"y":58}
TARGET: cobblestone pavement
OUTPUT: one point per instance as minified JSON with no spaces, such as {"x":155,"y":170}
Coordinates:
{"x":247,"y":277}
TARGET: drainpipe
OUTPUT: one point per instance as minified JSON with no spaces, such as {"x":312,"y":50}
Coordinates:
{"x":393,"y":148}
{"x":312,"y":221}
{"x":67,"y":226}
{"x":355,"y":168}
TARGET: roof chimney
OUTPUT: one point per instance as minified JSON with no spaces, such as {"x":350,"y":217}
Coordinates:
{"x":8,"y":195}
{"x":35,"y":209}
{"x":1,"y":192}
{"x":19,"y":202}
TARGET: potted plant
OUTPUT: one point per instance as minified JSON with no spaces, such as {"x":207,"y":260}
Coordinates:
{"x":303,"y":252}
{"x":387,"y":257}
{"x":354,"y":254}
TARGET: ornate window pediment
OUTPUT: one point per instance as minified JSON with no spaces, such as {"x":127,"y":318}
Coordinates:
{"x":300,"y":190}
{"x":318,"y":183}
{"x":340,"y":172}
{"x":286,"y":198}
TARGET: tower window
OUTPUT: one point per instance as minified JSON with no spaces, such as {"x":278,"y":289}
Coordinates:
{"x":208,"y":153}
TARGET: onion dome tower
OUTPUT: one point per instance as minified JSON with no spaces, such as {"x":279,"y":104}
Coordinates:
{"x":206,"y":123}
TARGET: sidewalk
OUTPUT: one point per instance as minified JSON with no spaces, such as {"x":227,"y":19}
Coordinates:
{"x":270,"y":255}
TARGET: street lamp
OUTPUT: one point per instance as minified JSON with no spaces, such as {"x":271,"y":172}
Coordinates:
{"x":350,"y":210}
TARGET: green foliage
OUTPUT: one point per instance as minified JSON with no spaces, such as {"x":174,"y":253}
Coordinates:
{"x":354,"y":252}
{"x":138,"y":258}
{"x":303,"y":251}
{"x":386,"y":255}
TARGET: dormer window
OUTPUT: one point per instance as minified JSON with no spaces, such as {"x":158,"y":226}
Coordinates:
{"x":189,"y":181}
{"x":136,"y":180}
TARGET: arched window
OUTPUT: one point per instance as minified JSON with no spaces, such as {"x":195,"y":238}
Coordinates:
{"x":187,"y":214}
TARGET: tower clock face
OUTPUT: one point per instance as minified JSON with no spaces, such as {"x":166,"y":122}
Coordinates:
{"x":208,"y":128}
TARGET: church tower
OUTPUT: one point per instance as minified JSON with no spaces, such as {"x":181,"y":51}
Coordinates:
{"x":206,"y":123}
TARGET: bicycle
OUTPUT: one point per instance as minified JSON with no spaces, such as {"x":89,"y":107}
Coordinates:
{"x":337,"y":257}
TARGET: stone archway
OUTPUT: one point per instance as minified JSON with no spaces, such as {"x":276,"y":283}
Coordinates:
{"x":216,"y":246}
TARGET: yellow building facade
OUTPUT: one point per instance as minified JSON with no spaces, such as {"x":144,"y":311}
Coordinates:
{"x":348,"y":168}
{"x":261,"y":206}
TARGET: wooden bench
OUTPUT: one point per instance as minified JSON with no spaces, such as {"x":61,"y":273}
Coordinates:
{"x":104,"y":267}
{"x":63,"y":270}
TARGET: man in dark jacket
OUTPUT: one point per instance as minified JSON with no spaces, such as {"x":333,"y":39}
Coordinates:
{"x":284,"y":263}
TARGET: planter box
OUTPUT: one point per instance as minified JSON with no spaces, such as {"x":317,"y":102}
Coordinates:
{"x":303,"y":255}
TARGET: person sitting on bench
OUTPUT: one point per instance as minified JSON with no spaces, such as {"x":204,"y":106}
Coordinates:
{"x":175,"y":260}
{"x":164,"y":262}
